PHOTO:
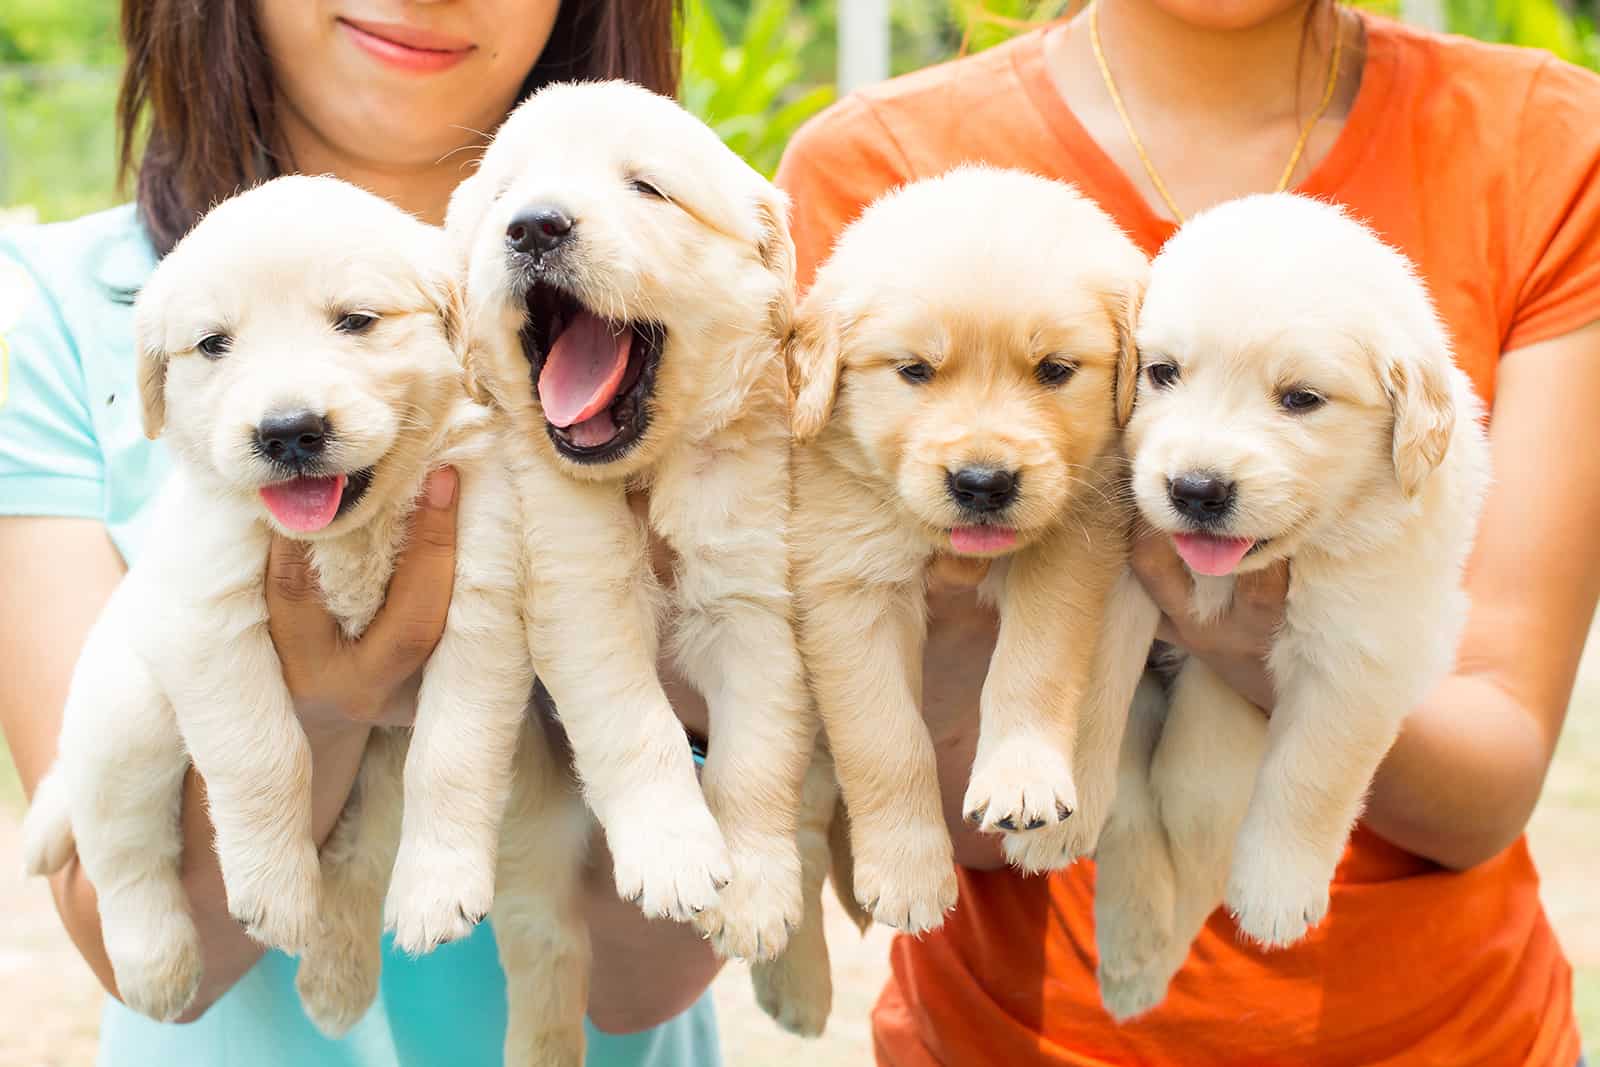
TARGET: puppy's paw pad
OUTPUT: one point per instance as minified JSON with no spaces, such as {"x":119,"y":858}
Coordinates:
{"x":1022,"y":785}
{"x":436,"y":897}
{"x":753,"y":915}
{"x":672,"y":866}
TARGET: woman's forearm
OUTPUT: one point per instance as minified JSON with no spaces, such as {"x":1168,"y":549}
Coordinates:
{"x":645,"y":971}
{"x":227,"y":953}
{"x":1462,"y":780}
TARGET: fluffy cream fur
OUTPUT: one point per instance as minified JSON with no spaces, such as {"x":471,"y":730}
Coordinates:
{"x":943,"y":334}
{"x":676,"y":238}
{"x":1372,"y":495}
{"x":181,"y":666}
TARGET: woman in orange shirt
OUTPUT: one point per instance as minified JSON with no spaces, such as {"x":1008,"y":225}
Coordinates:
{"x":1483,"y":164}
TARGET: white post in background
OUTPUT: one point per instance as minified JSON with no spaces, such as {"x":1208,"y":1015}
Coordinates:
{"x":1428,"y":14}
{"x":863,"y":43}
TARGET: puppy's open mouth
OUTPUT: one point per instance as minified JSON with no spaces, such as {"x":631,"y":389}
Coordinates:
{"x":982,"y":539}
{"x":594,"y":377}
{"x":309,"y":503}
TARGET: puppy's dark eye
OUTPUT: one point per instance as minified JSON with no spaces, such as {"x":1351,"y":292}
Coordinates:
{"x":916,"y":372}
{"x":1300,"y":401}
{"x":1162,"y":375}
{"x":214,"y":345}
{"x":644,"y":188}
{"x":355,"y":322}
{"x":1055,"y":372}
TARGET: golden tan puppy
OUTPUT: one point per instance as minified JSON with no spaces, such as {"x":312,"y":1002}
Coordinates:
{"x":1298,"y":402}
{"x":298,"y":356}
{"x":961,"y":367}
{"x":629,"y":282}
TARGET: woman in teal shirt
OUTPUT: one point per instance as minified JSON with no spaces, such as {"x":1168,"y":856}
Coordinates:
{"x":392,"y":100}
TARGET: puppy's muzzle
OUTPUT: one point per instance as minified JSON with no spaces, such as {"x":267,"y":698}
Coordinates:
{"x":1201,"y":497}
{"x":292,"y":439}
{"x":539,"y":230}
{"x":982,"y":490}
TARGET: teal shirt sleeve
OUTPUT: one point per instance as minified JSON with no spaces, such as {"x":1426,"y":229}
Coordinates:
{"x":50,"y":463}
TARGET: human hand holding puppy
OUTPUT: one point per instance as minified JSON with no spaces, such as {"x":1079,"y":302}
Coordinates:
{"x":1235,"y":644}
{"x":372,"y":681}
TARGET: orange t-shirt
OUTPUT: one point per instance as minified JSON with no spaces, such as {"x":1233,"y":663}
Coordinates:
{"x":1483,"y":164}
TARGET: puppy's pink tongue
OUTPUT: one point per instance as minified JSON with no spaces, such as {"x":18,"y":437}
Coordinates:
{"x":304,"y":505}
{"x":1215,"y":556}
{"x":583,"y":370}
{"x":976,"y":540}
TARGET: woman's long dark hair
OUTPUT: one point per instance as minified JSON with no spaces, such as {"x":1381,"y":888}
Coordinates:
{"x":199,"y":70}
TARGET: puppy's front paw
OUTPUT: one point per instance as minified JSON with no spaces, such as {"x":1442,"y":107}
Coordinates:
{"x":437,"y":896}
{"x":668,"y":858}
{"x":1020,"y":784}
{"x":758,"y":909}
{"x":156,"y":960}
{"x":1276,"y":894}
{"x":907,"y":880}
{"x":277,"y":903}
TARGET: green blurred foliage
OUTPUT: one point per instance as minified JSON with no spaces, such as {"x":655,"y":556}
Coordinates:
{"x":754,"y":69}
{"x":743,"y":73}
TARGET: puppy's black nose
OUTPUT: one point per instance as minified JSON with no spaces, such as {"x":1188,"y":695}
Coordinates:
{"x":292,"y":437}
{"x":1201,"y":496}
{"x":541,"y":228}
{"x":982,"y":488}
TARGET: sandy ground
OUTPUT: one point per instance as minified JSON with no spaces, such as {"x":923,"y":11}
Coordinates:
{"x":49,"y":1003}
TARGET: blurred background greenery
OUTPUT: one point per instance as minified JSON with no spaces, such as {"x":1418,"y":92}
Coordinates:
{"x":754,"y":69}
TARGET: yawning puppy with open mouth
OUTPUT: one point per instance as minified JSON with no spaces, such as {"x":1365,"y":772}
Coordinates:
{"x":299,"y":356}
{"x":629,"y":281}
{"x":1298,"y":403}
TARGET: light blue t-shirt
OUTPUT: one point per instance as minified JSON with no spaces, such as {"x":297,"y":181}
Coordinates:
{"x":71,"y":444}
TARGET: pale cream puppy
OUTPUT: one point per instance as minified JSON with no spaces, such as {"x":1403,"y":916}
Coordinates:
{"x":298,"y":356}
{"x":1298,"y":402}
{"x":961,"y":367}
{"x":629,"y":284}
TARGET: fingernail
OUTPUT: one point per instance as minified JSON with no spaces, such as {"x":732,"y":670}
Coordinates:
{"x":442,"y":487}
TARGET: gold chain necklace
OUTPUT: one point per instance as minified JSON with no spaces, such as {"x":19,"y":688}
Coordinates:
{"x":1138,"y":146}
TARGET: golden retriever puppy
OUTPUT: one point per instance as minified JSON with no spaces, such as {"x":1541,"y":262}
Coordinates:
{"x":958,"y":386}
{"x":629,"y":284}
{"x":298,"y":353}
{"x":1298,"y":402}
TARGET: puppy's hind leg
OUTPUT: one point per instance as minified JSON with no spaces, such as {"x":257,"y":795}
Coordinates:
{"x":122,"y":769}
{"x":796,"y":989}
{"x":1135,"y":884}
{"x":338,"y":975}
{"x":538,"y":927}
{"x":1202,"y":773}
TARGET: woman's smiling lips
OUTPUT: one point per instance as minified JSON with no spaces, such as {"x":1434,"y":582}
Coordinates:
{"x":406,"y":47}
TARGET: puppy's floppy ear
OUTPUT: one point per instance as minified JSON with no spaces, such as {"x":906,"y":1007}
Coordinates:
{"x":449,"y":299}
{"x":813,"y":358}
{"x":775,"y":247}
{"x":149,"y":338}
{"x":1125,"y":313}
{"x":1424,"y":417}
{"x":153,"y":390}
